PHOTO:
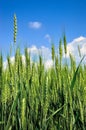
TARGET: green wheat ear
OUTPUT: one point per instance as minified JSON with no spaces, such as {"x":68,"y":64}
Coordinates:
{"x":15,"y":28}
{"x":65,"y":44}
{"x":60,"y":51}
{"x":53,"y":52}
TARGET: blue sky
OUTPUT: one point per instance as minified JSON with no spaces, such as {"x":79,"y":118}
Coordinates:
{"x":39,"y":21}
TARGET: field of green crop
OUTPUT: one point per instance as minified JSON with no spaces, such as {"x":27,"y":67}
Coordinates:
{"x":33,"y":98}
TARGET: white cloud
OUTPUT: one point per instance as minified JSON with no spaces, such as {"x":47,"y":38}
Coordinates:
{"x":83,"y":49}
{"x":45,"y":52}
{"x":47,"y":36}
{"x":81,"y":38}
{"x":34,"y":55}
{"x":72,"y":48}
{"x":35,"y":25}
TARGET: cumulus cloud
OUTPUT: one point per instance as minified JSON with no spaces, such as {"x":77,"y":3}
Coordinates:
{"x":45,"y":52}
{"x":39,"y":51}
{"x":72,"y":48}
{"x":47,"y":36}
{"x":35,"y":25}
{"x":34,"y":51}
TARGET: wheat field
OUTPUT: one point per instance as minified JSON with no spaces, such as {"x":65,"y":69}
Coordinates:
{"x":33,"y":98}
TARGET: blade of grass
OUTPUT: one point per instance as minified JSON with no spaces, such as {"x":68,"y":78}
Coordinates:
{"x":55,"y":112}
{"x":75,"y":74}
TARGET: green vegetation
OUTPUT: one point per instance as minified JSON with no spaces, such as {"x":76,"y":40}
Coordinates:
{"x":33,"y":98}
